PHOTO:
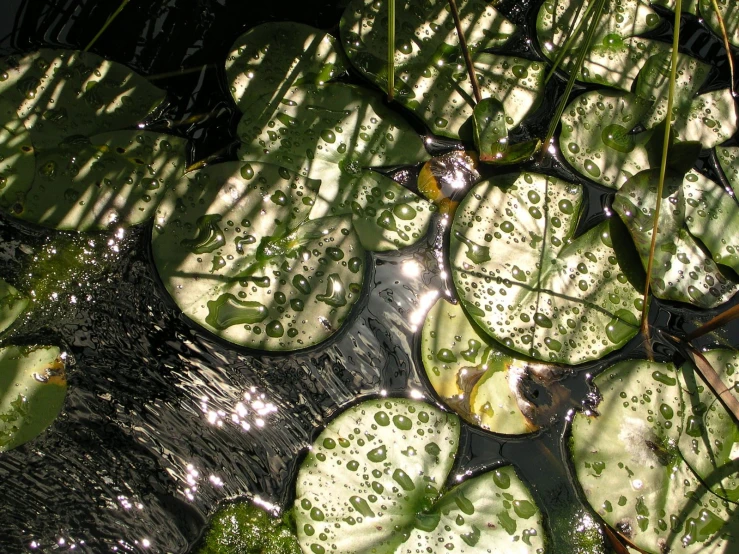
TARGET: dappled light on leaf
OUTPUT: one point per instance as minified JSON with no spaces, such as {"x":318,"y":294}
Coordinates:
{"x":631,"y":458}
{"x":533,"y":287}
{"x":375,"y":481}
{"x":12,"y":304}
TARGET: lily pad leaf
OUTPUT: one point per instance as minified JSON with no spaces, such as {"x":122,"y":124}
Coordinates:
{"x":271,"y":58}
{"x":709,"y":118}
{"x":235,"y":249}
{"x":597,"y":136}
{"x":481,"y":380}
{"x":372,"y":482}
{"x":729,"y":13}
{"x":108,"y":179}
{"x":491,"y":136}
{"x":385,"y":215}
{"x":243,"y":528}
{"x":681,"y":271}
{"x":616,"y":54}
{"x":728,"y":159}
{"x":712,"y":217}
{"x":62,"y":93}
{"x":431,"y":77}
{"x":336,"y":123}
{"x":531,"y":285}
{"x":32,"y":391}
{"x":631,"y":464}
{"x":12,"y":304}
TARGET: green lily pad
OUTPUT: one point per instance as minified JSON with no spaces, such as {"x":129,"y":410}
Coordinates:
{"x":712,"y":217}
{"x":107,"y":180}
{"x":681,"y":270}
{"x":374,"y":482}
{"x":385,"y":215}
{"x":597,"y":138}
{"x":32,"y":391}
{"x":729,"y":13}
{"x":344,"y":125}
{"x":531,"y":285}
{"x":243,"y":528}
{"x":12,"y":304}
{"x":631,"y":464}
{"x":709,"y":118}
{"x":688,"y":6}
{"x":616,"y":53}
{"x":270,"y":58}
{"x":431,"y":76}
{"x":727,"y":158}
{"x":237,"y":252}
{"x":477,"y":378}
{"x":710,"y":438}
{"x":62,"y":93}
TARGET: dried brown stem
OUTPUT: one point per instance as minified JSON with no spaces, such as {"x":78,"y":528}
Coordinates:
{"x":465,"y":52}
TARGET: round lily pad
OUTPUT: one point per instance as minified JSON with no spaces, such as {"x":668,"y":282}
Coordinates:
{"x":235,"y":248}
{"x":729,"y":13}
{"x":62,"y":93}
{"x":12,"y":304}
{"x":106,"y":180}
{"x":682,"y":270}
{"x":270,"y":58}
{"x":631,"y":462}
{"x":374,"y":481}
{"x":477,"y":378}
{"x":530,"y":284}
{"x":32,"y":391}
{"x":344,"y":125}
{"x":728,"y":158}
{"x":616,"y":53}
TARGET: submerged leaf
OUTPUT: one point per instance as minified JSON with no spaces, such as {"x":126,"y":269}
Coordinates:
{"x":273,"y":57}
{"x":237,"y":252}
{"x":12,"y":304}
{"x":243,"y":528}
{"x":109,"y":179}
{"x":631,"y":462}
{"x":374,"y":482}
{"x":533,"y":287}
{"x":32,"y":391}
{"x":479,"y":380}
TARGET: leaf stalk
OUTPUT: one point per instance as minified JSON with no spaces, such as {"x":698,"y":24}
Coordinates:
{"x":465,"y":52}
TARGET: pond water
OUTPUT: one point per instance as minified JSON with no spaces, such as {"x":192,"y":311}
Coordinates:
{"x":162,"y":420}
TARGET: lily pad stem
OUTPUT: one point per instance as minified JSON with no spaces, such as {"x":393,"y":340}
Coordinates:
{"x":105,"y":26}
{"x":662,"y":173}
{"x":465,"y":52}
{"x":727,"y":46}
{"x":574,"y":72}
{"x":390,"y":50}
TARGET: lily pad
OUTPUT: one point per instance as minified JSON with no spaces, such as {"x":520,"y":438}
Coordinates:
{"x":237,"y":252}
{"x":385,"y":215}
{"x":12,"y":304}
{"x":32,"y":391}
{"x":62,"y":93}
{"x":681,"y":271}
{"x":729,"y":13}
{"x":109,"y":179}
{"x":728,"y":158}
{"x":531,"y":285}
{"x":243,"y":528}
{"x":344,"y":125}
{"x":374,"y":482}
{"x":431,"y":77}
{"x":271,"y":58}
{"x":712,"y":217}
{"x":616,"y":54}
{"x":631,"y":463}
{"x":478,"y":378}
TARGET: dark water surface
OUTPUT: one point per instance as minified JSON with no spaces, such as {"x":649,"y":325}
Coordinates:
{"x":162,"y":421}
